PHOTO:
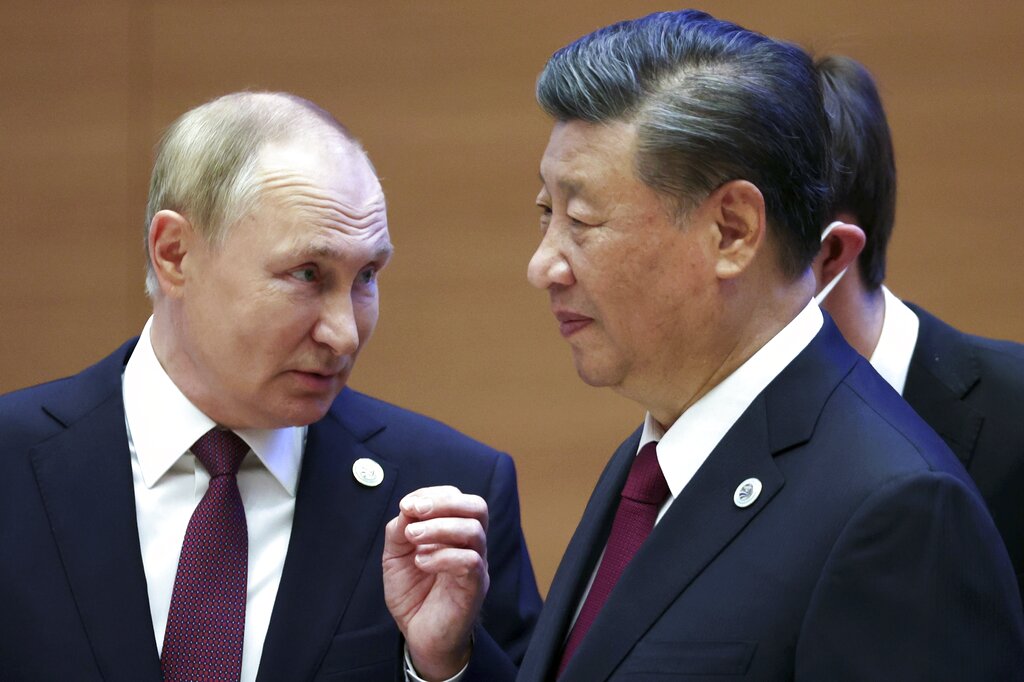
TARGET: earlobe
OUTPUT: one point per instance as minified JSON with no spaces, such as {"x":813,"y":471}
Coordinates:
{"x":740,"y":217}
{"x":171,"y":235}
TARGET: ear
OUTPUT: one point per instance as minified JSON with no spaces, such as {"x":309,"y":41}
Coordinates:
{"x":171,"y":235}
{"x":839,"y":250}
{"x":739,"y":215}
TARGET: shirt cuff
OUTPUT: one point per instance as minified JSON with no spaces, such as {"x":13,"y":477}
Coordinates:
{"x":410,"y":671}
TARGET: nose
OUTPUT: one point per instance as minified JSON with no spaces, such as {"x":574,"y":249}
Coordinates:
{"x":549,"y":267}
{"x":337,"y":328}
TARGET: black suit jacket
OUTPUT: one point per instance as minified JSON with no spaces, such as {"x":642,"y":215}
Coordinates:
{"x":73,"y":601}
{"x":867,"y":556}
{"x":971,"y":391}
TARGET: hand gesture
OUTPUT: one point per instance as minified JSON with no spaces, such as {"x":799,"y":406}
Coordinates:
{"x":435,"y":575}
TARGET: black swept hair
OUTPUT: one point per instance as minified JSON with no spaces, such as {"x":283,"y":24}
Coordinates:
{"x":712,"y":102}
{"x":864,"y":179}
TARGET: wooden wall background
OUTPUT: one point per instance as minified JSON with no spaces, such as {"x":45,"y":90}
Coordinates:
{"x":441,"y":94}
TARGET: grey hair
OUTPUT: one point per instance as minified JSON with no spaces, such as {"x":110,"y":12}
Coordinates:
{"x":712,"y":102}
{"x":206,"y":161}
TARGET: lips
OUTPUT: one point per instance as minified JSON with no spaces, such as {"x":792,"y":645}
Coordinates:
{"x":570,"y":322}
{"x":317,"y":380}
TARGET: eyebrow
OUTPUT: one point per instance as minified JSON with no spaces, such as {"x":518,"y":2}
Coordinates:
{"x":570,"y":186}
{"x":331,"y":251}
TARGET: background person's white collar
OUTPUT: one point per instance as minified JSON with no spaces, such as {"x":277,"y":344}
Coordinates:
{"x":895,"y":348}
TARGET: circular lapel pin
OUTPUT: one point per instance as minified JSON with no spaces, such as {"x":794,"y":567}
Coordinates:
{"x":747,"y":492}
{"x":367,"y":472}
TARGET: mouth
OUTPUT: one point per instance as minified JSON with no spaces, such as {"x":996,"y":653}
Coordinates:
{"x":570,"y":322}
{"x":317,"y":381}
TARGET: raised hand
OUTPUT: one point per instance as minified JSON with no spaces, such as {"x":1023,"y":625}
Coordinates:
{"x":435,"y":576}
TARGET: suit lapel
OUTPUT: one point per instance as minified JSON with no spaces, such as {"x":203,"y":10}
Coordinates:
{"x":577,"y":565}
{"x":942,"y":371}
{"x":336,"y":522}
{"x":704,"y":520}
{"x":698,"y":525}
{"x":85,"y":480}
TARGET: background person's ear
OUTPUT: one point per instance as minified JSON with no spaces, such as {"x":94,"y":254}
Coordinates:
{"x":839,"y":251}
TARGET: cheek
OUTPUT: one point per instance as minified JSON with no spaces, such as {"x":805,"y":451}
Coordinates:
{"x":272,"y":318}
{"x":366,"y":311}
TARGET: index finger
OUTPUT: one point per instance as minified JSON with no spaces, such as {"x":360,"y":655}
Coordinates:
{"x":444,"y":501}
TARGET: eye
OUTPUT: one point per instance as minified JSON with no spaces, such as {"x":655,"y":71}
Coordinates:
{"x":367,"y":275}
{"x":305,"y":274}
{"x":545,"y":215}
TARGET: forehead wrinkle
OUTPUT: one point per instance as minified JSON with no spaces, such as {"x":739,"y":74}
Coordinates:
{"x":570,"y":181}
{"x":338,"y":214}
{"x":293,"y":191}
{"x":585,"y":158}
{"x":305,"y":190}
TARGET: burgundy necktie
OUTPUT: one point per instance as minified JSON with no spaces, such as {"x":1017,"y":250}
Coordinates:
{"x":206,"y":622}
{"x":642,"y":497}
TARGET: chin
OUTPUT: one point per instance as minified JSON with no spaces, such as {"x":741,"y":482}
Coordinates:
{"x":310,"y":415}
{"x":296,"y":413}
{"x":591,"y":376}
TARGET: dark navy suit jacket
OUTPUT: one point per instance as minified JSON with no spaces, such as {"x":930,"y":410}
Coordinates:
{"x":971,"y":391}
{"x":867,"y":556}
{"x":73,"y":601}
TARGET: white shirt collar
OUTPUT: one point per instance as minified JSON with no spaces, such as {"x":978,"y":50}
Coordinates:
{"x":164,"y":424}
{"x":891,"y":357}
{"x":689,"y":441}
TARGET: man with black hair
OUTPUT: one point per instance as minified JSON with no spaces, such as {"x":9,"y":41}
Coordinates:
{"x":781,"y":513}
{"x":966,"y":387}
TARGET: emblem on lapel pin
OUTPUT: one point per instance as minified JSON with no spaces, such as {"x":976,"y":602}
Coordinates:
{"x":747,"y":492}
{"x":367,"y":472}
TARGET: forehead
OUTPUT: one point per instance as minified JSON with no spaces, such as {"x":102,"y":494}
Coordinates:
{"x":581,"y":154}
{"x":324,"y":162}
{"x":321,"y":182}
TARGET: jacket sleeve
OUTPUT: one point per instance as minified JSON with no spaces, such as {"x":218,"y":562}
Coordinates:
{"x":513,"y":603}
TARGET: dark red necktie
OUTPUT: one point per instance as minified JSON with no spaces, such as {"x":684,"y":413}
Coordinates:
{"x":206,"y":622}
{"x":642,"y":497}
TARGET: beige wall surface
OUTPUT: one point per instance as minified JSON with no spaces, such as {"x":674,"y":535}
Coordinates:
{"x":440,"y":92}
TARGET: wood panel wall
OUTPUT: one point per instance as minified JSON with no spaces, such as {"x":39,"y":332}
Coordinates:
{"x":441,"y":94}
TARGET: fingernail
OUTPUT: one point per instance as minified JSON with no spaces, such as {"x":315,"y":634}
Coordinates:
{"x":423,"y":505}
{"x":415,"y":530}
{"x":423,"y":559}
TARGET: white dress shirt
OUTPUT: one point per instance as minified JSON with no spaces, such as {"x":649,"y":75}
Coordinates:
{"x":162,"y":425}
{"x":684,"y":447}
{"x":895,"y":348}
{"x":687,"y":443}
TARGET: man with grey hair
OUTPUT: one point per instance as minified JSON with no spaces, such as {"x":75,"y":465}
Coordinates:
{"x":781,"y":513}
{"x":210,"y":502}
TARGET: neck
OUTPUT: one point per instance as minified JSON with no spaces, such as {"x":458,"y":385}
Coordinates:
{"x":160,"y":333}
{"x":747,"y":327}
{"x":164,"y":336}
{"x":858,"y":312}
